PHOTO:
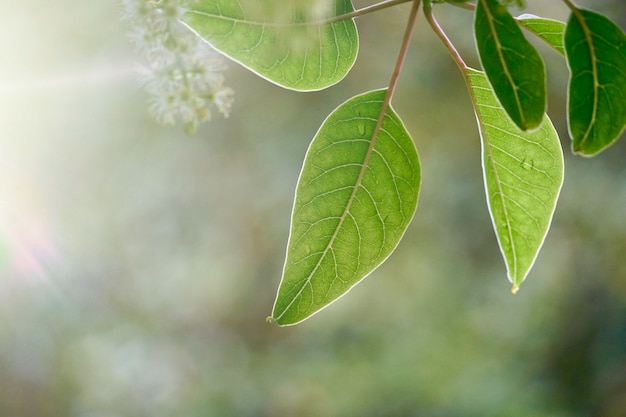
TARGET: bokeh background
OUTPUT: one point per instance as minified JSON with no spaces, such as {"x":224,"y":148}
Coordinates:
{"x":138,"y":264}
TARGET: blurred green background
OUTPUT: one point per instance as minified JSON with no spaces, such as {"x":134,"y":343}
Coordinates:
{"x":138,"y":264}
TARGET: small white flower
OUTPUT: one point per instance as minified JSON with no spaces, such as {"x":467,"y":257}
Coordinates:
{"x":183,"y":75}
{"x":223,"y":99}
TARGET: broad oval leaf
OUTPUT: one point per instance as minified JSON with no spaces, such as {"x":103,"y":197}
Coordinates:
{"x":355,"y":197}
{"x":280,"y":41}
{"x":514,"y":67}
{"x":596,"y":55}
{"x":523,"y":173}
{"x":549,"y":30}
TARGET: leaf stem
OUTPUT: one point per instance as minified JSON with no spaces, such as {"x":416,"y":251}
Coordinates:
{"x":393,"y":82}
{"x":391,"y":87}
{"x":456,"y":56}
{"x":378,"y":6}
{"x":402,"y":54}
{"x":569,"y":4}
{"x":361,"y":12}
{"x":465,"y":5}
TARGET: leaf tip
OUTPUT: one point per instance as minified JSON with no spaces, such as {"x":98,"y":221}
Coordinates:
{"x":515,"y":289}
{"x":278,"y":321}
{"x":580,"y":150}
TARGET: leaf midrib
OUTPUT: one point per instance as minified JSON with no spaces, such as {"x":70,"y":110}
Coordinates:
{"x":505,"y":209}
{"x":494,"y":167}
{"x":594,"y":66}
{"x":507,"y":72}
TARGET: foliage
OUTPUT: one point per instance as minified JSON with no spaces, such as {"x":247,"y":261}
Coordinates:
{"x":355,"y":198}
{"x":279,"y":43}
{"x":360,"y":181}
{"x":523,"y":174}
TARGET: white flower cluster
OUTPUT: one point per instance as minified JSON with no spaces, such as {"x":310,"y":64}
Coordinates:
{"x":182,"y":73}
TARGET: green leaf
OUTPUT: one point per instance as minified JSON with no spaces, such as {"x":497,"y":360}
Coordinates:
{"x":514,"y":67}
{"x":549,"y":30}
{"x":280,"y":41}
{"x":356,"y":195}
{"x":596,"y":55}
{"x":523,"y":172}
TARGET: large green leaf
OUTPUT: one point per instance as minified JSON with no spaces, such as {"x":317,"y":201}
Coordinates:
{"x":280,"y":41}
{"x":523,"y":173}
{"x":356,"y":195}
{"x":514,"y":67}
{"x":596,"y":54}
{"x":549,"y":30}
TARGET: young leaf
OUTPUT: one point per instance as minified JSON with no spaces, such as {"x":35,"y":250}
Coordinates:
{"x":281,"y":43}
{"x":514,"y":67}
{"x":356,"y":195}
{"x":596,"y":54}
{"x":549,"y":30}
{"x":523,"y":174}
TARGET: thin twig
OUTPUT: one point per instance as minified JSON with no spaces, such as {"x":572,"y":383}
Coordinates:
{"x":444,"y":38}
{"x":363,"y":11}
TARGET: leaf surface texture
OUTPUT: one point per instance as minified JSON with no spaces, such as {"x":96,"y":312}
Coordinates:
{"x":596,"y":55}
{"x":523,"y":174}
{"x":280,"y":42}
{"x":357,"y":193}
{"x":549,"y":30}
{"x":513,"y":66}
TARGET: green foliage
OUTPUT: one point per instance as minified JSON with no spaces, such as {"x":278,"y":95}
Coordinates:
{"x":360,"y":181}
{"x":523,"y":172}
{"x":596,"y":54}
{"x":355,"y":198}
{"x":513,"y":66}
{"x":283,"y":44}
{"x":549,"y":30}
